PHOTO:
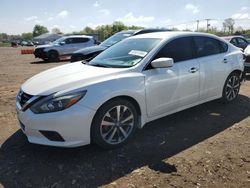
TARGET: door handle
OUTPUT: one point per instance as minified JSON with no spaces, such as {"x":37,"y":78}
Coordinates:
{"x":225,"y":60}
{"x":193,"y":70}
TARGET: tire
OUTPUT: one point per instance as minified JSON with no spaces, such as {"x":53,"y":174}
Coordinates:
{"x":107,"y":130}
{"x":231,"y":88}
{"x":53,"y":56}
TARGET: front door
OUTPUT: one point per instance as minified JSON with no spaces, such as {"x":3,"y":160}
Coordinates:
{"x":170,"y":89}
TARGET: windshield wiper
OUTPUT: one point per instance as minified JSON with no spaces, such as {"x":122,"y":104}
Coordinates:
{"x":99,"y":65}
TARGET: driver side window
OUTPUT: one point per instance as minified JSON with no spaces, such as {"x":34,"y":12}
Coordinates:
{"x":179,"y":49}
{"x":68,"y":40}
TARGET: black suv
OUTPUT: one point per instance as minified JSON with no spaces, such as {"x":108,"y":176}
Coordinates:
{"x":89,"y":53}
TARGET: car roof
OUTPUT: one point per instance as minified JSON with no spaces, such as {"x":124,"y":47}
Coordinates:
{"x":149,"y":30}
{"x":128,"y":32}
{"x":78,"y":36}
{"x":142,"y":31}
{"x":171,"y":34}
{"x":231,"y":37}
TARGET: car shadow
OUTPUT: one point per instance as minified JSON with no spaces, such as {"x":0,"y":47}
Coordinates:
{"x":23,"y":164}
{"x":48,"y":62}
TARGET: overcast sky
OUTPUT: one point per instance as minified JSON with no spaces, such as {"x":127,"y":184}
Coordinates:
{"x":18,"y":16}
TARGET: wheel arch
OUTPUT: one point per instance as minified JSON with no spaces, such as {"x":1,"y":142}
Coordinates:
{"x":53,"y":50}
{"x":130,"y":99}
{"x":238,"y":71}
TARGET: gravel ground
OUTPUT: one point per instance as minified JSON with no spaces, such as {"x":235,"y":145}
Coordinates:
{"x":205,"y":146}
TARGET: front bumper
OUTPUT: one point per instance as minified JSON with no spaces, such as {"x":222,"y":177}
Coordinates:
{"x":72,"y":124}
{"x":247,"y":64}
{"x":247,"y":67}
{"x":40,"y":53}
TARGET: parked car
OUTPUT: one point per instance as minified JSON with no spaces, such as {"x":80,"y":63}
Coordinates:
{"x":64,"y":46}
{"x":23,"y":43}
{"x":243,"y":44}
{"x":238,"y":41}
{"x":247,"y":59}
{"x":89,"y":53}
{"x":135,"y":81}
{"x":30,"y":43}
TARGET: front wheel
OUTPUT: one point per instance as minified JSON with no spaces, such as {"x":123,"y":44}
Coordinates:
{"x":114,"y":124}
{"x":231,"y":88}
{"x":53,"y":56}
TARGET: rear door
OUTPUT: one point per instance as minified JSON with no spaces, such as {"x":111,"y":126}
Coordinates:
{"x":82,"y":42}
{"x":169,"y":89}
{"x":214,"y":65}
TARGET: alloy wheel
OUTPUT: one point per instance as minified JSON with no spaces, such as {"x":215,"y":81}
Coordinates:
{"x":117,"y":124}
{"x":232,"y":87}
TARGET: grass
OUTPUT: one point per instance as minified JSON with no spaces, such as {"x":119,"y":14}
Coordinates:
{"x":5,"y":44}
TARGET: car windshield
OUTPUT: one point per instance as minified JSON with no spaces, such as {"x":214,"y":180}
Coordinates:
{"x":126,"y":53}
{"x":115,"y":38}
{"x":59,"y":40}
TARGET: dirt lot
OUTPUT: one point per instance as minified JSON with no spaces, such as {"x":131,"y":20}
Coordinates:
{"x":205,"y":146}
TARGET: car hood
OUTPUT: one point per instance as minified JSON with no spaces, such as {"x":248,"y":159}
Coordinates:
{"x":247,"y":50}
{"x":91,"y":49}
{"x":47,"y":45}
{"x":68,"y":76}
{"x":44,"y":46}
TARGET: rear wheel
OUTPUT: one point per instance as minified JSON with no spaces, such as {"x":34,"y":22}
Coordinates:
{"x":114,"y":124}
{"x":231,"y":88}
{"x":53,"y":55}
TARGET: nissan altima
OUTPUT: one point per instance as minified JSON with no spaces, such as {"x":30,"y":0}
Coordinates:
{"x":137,"y":80}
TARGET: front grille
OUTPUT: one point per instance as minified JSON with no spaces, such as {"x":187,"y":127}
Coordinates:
{"x":23,"y":98}
{"x":52,"y":136}
{"x":39,"y":52}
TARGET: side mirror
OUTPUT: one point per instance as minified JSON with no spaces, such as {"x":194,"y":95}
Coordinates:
{"x":62,"y":43}
{"x":163,"y":62}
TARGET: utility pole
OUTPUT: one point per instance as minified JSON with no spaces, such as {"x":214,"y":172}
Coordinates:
{"x":208,"y":23}
{"x":197,"y":25}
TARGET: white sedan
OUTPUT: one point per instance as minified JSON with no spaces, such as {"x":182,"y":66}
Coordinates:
{"x":247,"y":61}
{"x":138,"y":80}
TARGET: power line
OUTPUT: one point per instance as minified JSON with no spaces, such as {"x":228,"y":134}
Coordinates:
{"x":200,"y":20}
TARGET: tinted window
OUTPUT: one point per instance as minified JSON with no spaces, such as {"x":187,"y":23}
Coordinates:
{"x":224,"y":46}
{"x":206,"y":46}
{"x":68,"y":40}
{"x":234,"y":41}
{"x":80,"y":40}
{"x":242,"y":41}
{"x":179,"y":49}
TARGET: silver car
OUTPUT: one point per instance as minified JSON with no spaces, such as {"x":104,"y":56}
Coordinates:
{"x":64,"y":46}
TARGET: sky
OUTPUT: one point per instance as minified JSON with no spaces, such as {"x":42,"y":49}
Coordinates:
{"x":18,"y":16}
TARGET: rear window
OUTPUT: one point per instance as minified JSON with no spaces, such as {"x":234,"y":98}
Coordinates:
{"x":206,"y":46}
{"x":80,"y":40}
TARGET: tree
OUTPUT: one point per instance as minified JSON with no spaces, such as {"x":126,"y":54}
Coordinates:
{"x":39,"y":30}
{"x":3,"y":36}
{"x":88,"y":30}
{"x":27,"y":36}
{"x":56,"y":31}
{"x":229,"y":24}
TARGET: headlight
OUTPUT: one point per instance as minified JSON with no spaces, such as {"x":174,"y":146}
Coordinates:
{"x":54,"y":104}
